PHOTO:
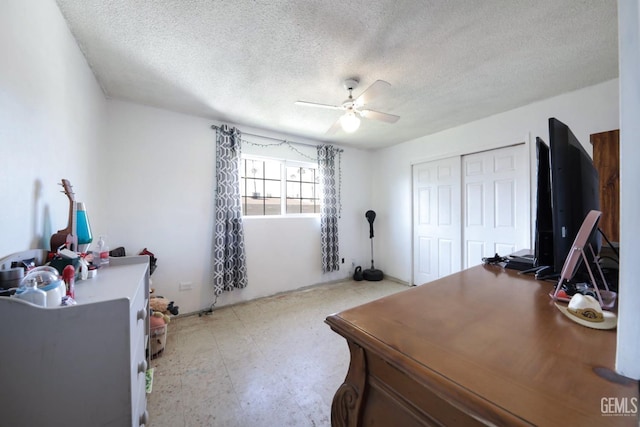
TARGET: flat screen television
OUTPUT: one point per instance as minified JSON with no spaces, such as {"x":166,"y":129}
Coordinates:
{"x":573,"y":192}
{"x":543,"y":239}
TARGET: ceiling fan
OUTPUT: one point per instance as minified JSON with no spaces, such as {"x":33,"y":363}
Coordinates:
{"x":350,"y":121}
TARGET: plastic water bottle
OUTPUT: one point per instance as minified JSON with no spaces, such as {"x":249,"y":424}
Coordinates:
{"x":103,"y":251}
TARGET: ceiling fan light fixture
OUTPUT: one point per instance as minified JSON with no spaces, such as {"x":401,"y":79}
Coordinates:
{"x":350,"y":122}
{"x":353,"y":109}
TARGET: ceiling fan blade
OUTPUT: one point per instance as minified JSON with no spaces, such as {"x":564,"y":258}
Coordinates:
{"x":376,"y":115}
{"x":371,"y":92}
{"x":334,"y":128}
{"x":315,"y":104}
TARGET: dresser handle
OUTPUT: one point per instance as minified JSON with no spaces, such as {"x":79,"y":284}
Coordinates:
{"x":144,"y":418}
{"x":142,"y":314}
{"x":142,"y":367}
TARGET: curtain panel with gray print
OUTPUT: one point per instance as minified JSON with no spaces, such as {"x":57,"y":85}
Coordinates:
{"x":229,"y":260}
{"x":329,"y":212}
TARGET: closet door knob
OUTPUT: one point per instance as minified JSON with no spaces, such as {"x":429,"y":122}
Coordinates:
{"x":142,"y":367}
{"x":142,"y":314}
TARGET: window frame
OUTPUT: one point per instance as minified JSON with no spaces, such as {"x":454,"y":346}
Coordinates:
{"x":284,"y":181}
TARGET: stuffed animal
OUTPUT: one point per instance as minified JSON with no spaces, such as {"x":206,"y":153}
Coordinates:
{"x":158,"y":333}
{"x":163,"y":306}
{"x":160,"y":308}
{"x":157,"y":314}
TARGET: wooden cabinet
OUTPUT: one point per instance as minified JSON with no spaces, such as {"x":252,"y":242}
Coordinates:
{"x":606,"y":158}
{"x":82,"y":365}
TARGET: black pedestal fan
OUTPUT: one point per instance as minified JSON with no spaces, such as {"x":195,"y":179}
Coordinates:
{"x":372,"y":274}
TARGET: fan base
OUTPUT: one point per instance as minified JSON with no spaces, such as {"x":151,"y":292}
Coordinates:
{"x":350,"y":84}
{"x":372,"y":274}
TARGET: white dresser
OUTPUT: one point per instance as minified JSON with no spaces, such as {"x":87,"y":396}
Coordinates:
{"x":82,"y":365}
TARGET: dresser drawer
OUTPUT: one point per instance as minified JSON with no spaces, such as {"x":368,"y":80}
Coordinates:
{"x":139,"y":327}
{"x":139,"y":318}
{"x":138,"y":390}
{"x":142,"y":417}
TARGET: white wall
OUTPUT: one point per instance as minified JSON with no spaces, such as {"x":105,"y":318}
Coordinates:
{"x":146,"y":175}
{"x":586,"y":111}
{"x":628,"y":354}
{"x":160,"y":168}
{"x":51,"y":124}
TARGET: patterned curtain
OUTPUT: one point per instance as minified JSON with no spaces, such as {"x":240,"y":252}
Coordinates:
{"x":329,"y":209}
{"x":229,"y":262}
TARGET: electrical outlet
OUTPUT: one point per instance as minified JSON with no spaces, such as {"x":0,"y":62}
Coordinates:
{"x":185,"y":286}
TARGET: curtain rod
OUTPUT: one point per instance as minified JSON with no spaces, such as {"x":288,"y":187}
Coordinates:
{"x":214,"y":127}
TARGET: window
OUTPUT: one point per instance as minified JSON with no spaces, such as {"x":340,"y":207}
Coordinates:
{"x":278,"y":187}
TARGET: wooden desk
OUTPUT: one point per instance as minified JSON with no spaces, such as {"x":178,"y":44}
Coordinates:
{"x":480,"y":347}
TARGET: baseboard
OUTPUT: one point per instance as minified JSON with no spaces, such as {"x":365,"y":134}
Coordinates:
{"x":304,"y":288}
{"x":395,"y":279}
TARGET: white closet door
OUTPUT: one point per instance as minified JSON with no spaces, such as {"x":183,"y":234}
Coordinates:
{"x":436,"y":219}
{"x":496,"y":203}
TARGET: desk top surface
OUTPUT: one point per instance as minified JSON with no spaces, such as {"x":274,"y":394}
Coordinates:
{"x":496,"y":336}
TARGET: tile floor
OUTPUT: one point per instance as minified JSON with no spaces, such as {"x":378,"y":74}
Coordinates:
{"x":269,"y":362}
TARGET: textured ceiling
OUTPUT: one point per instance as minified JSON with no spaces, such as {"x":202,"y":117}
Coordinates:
{"x":247,"y":61}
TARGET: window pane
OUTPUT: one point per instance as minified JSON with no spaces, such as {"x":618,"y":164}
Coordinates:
{"x":242,"y":187}
{"x":253,"y":206}
{"x":272,"y":206}
{"x":293,"y":190}
{"x":272,"y":188}
{"x":272,"y":169}
{"x":293,"y":173}
{"x":254,"y":188}
{"x":243,"y":162}
{"x":255,"y":169}
{"x":293,"y":206}
{"x":308,"y":206}
{"x":308,"y":191}
{"x":307,"y":174}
